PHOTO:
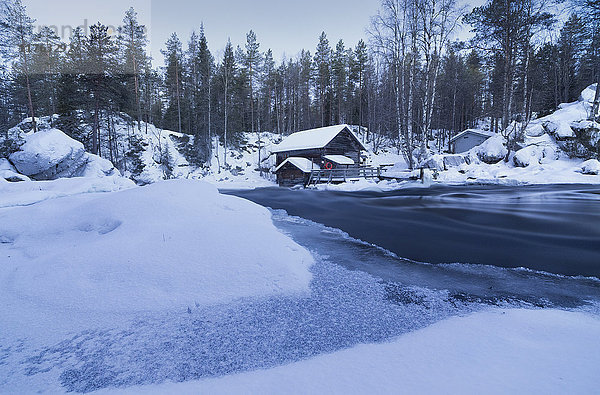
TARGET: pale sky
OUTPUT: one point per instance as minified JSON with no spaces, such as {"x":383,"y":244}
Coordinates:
{"x":284,"y":26}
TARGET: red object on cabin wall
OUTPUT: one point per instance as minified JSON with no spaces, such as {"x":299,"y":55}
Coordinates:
{"x":328,"y":165}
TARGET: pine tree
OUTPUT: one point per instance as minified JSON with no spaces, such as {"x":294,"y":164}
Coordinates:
{"x":16,"y":41}
{"x":323,"y":75}
{"x":132,"y":38}
{"x":228,"y":68}
{"x":99,"y":76}
{"x":361,"y":59}
{"x":252,"y":64}
{"x":206,"y":70}
{"x":173,"y":80}
{"x":339,"y":72}
{"x":45,"y":65}
{"x":268,"y":85}
{"x":71,"y":95}
{"x":306,"y":78}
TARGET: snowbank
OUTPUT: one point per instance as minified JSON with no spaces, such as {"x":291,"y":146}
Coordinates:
{"x":30,"y":192}
{"x":166,"y":246}
{"x":563,"y":171}
{"x":511,"y":351}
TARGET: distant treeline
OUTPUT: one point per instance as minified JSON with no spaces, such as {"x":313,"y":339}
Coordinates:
{"x":408,"y":78}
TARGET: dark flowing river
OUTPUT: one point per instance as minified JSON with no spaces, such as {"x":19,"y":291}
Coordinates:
{"x":554,"y":229}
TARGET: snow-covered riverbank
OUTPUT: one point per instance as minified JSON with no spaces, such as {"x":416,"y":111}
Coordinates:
{"x":106,"y":285}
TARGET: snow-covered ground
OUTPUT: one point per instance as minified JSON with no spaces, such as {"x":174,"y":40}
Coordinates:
{"x":242,"y":171}
{"x":493,"y":352}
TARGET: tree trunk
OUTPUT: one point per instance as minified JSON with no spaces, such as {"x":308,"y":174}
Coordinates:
{"x":29,"y":98}
{"x":177,"y":91}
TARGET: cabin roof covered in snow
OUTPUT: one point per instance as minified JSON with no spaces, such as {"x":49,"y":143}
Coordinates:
{"x":306,"y":165}
{"x":479,"y":132}
{"x":313,"y":138}
{"x":339,"y":159}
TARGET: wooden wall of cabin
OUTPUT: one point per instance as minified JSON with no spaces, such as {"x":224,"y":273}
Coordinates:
{"x":290,"y":175}
{"x":344,"y":144}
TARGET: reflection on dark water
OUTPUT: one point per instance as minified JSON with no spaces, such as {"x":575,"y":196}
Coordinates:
{"x":554,"y":229}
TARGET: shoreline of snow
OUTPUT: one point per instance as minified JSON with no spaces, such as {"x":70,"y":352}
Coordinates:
{"x":555,"y":173}
{"x":26,"y":193}
{"x":494,"y":351}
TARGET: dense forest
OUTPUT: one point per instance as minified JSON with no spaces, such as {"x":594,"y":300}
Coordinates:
{"x":409,"y":81}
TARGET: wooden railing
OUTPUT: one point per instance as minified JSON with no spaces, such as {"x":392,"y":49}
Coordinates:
{"x":342,"y":174}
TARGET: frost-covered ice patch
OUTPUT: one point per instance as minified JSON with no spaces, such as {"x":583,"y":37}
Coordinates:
{"x":343,"y":309}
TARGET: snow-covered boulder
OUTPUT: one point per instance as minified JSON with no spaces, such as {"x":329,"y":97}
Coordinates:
{"x":168,"y":246}
{"x":26,"y":125}
{"x":49,"y":154}
{"x":453,"y":161}
{"x":560,"y":130}
{"x":535,"y":130}
{"x":534,"y":154}
{"x":591,"y":167}
{"x":444,"y":162}
{"x":492,"y":150}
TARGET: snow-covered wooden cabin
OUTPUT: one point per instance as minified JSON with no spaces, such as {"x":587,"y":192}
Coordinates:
{"x":331,"y":147}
